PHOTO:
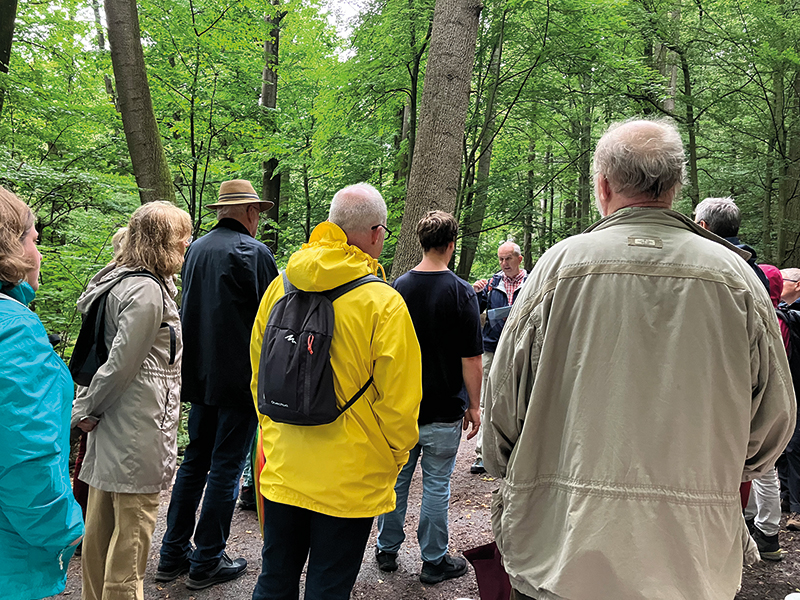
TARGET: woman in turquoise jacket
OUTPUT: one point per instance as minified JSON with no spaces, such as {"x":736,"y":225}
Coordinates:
{"x":40,"y":522}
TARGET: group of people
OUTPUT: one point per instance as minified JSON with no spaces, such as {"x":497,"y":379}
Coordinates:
{"x":622,"y":391}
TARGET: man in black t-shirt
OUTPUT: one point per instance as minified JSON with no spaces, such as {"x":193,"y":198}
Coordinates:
{"x":445,"y":313}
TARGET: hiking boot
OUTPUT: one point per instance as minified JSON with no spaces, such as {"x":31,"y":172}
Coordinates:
{"x":477,"y":467}
{"x":793,"y":522}
{"x":768,"y":546}
{"x":167,"y":572}
{"x":449,"y":567}
{"x":387,"y":561}
{"x":225,"y":570}
{"x":247,"y":498}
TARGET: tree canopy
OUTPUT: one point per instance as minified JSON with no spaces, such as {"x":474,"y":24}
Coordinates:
{"x":548,"y":77}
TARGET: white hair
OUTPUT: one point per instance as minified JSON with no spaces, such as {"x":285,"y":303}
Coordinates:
{"x":721,"y":216}
{"x":514,"y":246}
{"x":357,"y":208}
{"x":642,"y":157}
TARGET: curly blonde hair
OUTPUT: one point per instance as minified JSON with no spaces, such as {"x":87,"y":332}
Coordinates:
{"x":156,"y":238}
{"x":16,"y":220}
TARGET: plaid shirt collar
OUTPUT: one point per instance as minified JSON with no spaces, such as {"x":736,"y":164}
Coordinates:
{"x":512,"y":283}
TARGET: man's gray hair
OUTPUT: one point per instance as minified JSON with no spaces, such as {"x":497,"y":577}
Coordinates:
{"x":514,"y":246}
{"x":721,"y":216}
{"x":357,"y":208}
{"x":642,"y":157}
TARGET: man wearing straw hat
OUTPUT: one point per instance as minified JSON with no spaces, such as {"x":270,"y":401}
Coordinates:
{"x":225,"y":274}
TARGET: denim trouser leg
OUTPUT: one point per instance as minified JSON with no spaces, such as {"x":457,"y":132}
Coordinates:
{"x":234,"y":438}
{"x":189,"y":484}
{"x":439,"y":443}
{"x":218,"y":447}
{"x":390,"y":525}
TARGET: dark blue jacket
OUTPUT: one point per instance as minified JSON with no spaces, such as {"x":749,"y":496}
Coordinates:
{"x":752,"y":261}
{"x":494,"y":296}
{"x":225,"y":274}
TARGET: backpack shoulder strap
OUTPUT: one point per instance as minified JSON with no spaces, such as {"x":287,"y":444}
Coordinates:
{"x":351,"y":285}
{"x":287,"y":285}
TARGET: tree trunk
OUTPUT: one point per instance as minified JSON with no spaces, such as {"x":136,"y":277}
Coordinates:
{"x":8,"y":16}
{"x":138,"y":118}
{"x":548,"y":158}
{"x":307,"y":196}
{"x":435,"y":170}
{"x":473,"y":219}
{"x":585,"y":160}
{"x":271,"y":182}
{"x":691,"y":126}
{"x":766,"y":208}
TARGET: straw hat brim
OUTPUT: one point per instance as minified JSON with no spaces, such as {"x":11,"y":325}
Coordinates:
{"x":263,"y":204}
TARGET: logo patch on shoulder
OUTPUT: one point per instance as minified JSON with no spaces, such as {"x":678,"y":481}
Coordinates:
{"x":645,"y":242}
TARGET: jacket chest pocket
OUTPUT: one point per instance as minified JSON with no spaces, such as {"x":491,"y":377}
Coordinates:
{"x":169,"y":417}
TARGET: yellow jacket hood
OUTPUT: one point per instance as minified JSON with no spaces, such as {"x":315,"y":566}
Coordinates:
{"x":328,"y":261}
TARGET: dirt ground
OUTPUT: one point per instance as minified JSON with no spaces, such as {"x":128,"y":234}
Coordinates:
{"x":469,"y":527}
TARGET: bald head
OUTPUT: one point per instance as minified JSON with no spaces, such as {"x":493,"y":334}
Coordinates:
{"x":509,"y":256}
{"x":357,"y":209}
{"x":791,"y":285}
{"x":638,"y":163}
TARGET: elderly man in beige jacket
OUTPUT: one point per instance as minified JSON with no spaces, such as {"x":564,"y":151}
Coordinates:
{"x":640,"y":378}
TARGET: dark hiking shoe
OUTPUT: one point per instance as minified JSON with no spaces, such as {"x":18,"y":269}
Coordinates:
{"x":167,"y":572}
{"x":449,"y":567}
{"x":768,"y":546}
{"x":793,"y":522}
{"x":247,"y":498}
{"x":387,"y":561}
{"x":477,"y":467}
{"x":225,"y":570}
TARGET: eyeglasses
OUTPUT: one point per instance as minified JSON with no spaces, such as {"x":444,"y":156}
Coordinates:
{"x":188,"y":242}
{"x":385,"y":228}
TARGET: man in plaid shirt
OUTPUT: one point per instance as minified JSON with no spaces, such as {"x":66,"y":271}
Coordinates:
{"x":495,"y":296}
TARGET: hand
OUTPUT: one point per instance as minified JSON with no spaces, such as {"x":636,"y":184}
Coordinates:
{"x":87,"y":424}
{"x":76,"y":542}
{"x":479,"y":285}
{"x":473,"y":416}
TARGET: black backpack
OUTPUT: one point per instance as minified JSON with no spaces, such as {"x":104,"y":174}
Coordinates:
{"x":792,"y":320}
{"x":90,"y":352}
{"x":295,"y":377}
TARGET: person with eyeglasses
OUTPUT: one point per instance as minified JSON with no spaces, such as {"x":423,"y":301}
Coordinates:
{"x":226,"y":272}
{"x":324,"y":485}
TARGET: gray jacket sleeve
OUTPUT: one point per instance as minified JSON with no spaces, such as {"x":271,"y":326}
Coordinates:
{"x":134,"y":311}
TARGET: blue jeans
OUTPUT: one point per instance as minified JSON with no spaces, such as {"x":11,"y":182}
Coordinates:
{"x":219,"y":444}
{"x":438,"y":444}
{"x":334,"y":547}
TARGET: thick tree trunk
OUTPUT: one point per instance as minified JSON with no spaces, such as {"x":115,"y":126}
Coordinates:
{"x":473,"y":218}
{"x":434,"y":179}
{"x":271,"y":182}
{"x":138,"y":119}
{"x":8,"y":16}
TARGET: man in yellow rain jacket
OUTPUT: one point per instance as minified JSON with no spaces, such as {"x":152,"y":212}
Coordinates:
{"x":324,"y":484}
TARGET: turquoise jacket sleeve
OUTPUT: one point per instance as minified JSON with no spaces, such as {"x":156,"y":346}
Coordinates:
{"x":35,"y":403}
